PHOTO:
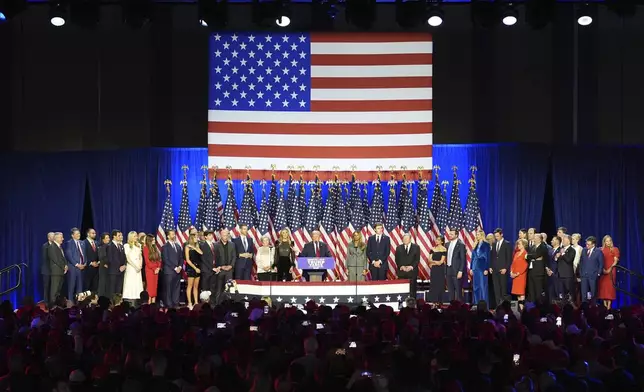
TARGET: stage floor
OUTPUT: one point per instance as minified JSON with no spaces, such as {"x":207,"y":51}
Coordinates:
{"x":389,"y":292}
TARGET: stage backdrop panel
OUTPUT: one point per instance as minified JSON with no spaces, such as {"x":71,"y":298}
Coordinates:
{"x":322,"y":100}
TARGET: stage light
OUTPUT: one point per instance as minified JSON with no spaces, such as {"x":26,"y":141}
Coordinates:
{"x":213,"y":13}
{"x":11,"y":8}
{"x":510,"y":15}
{"x":584,"y":18}
{"x":435,"y":14}
{"x":283,"y":21}
{"x":435,"y":20}
{"x":58,"y":15}
{"x":2,"y":17}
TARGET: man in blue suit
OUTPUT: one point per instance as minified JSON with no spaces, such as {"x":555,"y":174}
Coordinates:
{"x":378,"y":248}
{"x":590,"y":267}
{"x":244,"y":251}
{"x":171,"y":255}
{"x":76,"y":262}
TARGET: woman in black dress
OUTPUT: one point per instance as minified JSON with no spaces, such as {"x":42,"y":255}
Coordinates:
{"x":284,"y":257}
{"x":192,"y":254}
{"x":437,"y":275}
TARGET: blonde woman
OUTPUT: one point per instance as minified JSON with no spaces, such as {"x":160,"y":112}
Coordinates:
{"x":192,"y":255}
{"x":264,"y":260}
{"x":575,"y":245}
{"x":284,"y":256}
{"x":357,"y":258}
{"x":133,"y":281}
{"x":480,"y":265}
{"x":605,"y":287}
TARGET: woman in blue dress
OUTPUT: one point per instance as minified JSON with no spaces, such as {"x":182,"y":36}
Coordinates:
{"x":480,"y":266}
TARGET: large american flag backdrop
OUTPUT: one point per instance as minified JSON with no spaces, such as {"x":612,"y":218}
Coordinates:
{"x":320,"y":100}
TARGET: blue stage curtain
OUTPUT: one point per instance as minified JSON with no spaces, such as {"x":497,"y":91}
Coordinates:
{"x":42,"y":193}
{"x":511,"y":182}
{"x":597,"y":192}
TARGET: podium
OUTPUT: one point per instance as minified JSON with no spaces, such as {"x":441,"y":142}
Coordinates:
{"x":315,"y":267}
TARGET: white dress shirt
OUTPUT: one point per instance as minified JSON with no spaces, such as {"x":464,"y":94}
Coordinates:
{"x":450,"y":252}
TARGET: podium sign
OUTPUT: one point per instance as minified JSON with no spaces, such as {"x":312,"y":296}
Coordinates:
{"x":315,"y":263}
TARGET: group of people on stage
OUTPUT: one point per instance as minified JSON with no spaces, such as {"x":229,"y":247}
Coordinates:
{"x":536,"y":271}
{"x":532,"y":269}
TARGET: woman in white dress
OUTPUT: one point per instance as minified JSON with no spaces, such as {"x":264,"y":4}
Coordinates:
{"x":265,"y":259}
{"x":133,"y":281}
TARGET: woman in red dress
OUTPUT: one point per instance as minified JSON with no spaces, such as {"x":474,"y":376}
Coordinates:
{"x":519,"y":271}
{"x":152,"y":259}
{"x":606,"y":289}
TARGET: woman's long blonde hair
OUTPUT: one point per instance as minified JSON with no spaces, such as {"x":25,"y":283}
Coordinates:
{"x":361,"y":243}
{"x":285,"y":233}
{"x":133,"y":239}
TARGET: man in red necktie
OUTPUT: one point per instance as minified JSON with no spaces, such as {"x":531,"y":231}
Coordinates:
{"x":208,"y":267}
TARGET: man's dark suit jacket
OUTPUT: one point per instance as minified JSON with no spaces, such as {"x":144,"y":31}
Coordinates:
{"x":91,"y":255}
{"x":172,"y":257}
{"x":565,"y":261}
{"x":115,"y":258}
{"x":458,"y":258}
{"x":44,"y":259}
{"x":553,"y":264}
{"x":501,"y":259}
{"x":538,"y":256}
{"x":309,"y":250}
{"x":377,"y":251}
{"x":407,"y":259}
{"x":57,"y":261}
{"x":220,"y":256}
{"x":208,"y":257}
{"x":239,"y":247}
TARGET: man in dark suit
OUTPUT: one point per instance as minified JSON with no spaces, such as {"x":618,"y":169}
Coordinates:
{"x":565,"y":259}
{"x":91,"y":272}
{"x":76,"y":263}
{"x":552,"y":269}
{"x":225,"y":258}
{"x":57,"y":266}
{"x":407,"y":259}
{"x":245,"y":250}
{"x":378,"y":248}
{"x":172,"y":257}
{"x":455,"y":266}
{"x":207,"y":266}
{"x":45,"y":270}
{"x":315,"y":248}
{"x":116,"y":263}
{"x":590,"y":267}
{"x":537,"y":258}
{"x":500,"y":262}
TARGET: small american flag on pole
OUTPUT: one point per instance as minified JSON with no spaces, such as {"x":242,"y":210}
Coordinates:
{"x":320,"y":99}
{"x":423,"y":232}
{"x":472,"y":218}
{"x":167,"y":217}
{"x":184,"y":224}
{"x":392,"y":229}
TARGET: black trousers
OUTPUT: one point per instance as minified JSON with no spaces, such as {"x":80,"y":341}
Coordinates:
{"x":413,"y":277}
{"x":115,"y":285}
{"x":206,"y":283}
{"x":266,"y":277}
{"x":454,"y":288}
{"x":536,"y":285}
{"x":379,"y":273}
{"x":567,"y":287}
{"x":56,"y":286}
{"x":172,"y":289}
{"x":220,"y":284}
{"x":90,"y":277}
{"x":500,"y":284}
{"x":46,"y":288}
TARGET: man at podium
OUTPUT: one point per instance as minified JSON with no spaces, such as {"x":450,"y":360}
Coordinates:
{"x":315,"y":248}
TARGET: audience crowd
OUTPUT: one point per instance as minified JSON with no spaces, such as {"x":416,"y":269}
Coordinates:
{"x":110,"y":345}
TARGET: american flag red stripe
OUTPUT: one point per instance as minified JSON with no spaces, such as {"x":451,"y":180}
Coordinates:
{"x":366,"y":85}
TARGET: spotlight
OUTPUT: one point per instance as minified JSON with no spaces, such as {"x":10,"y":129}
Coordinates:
{"x":58,"y":14}
{"x":2,"y":17}
{"x":435,"y":14}
{"x":435,"y":20}
{"x":584,"y":19}
{"x":213,"y":13}
{"x":510,"y":15}
{"x":283,"y":21}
